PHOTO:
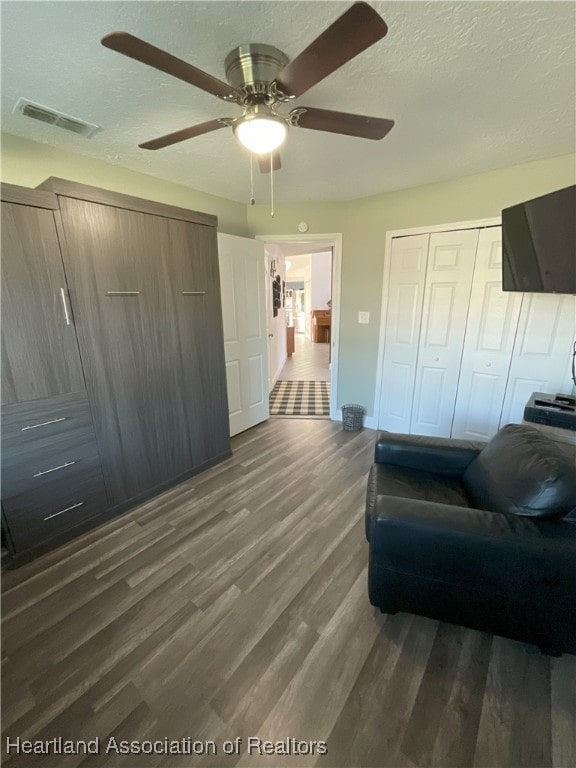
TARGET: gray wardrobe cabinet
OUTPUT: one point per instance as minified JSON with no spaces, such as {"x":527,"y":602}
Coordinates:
{"x":113,"y":374}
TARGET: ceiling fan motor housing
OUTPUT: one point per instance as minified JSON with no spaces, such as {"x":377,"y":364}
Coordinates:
{"x":252,"y":68}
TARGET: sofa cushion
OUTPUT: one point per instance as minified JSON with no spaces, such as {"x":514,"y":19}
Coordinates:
{"x":523,"y":472}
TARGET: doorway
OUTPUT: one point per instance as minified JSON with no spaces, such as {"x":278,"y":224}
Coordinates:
{"x":303,"y":324}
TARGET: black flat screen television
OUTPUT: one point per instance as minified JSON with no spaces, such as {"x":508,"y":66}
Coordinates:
{"x":539,"y":244}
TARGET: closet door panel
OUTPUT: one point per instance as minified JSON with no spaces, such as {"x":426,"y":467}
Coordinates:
{"x":195,"y":281}
{"x":490,"y":334}
{"x":448,"y":281}
{"x":402,"y":332}
{"x":542,"y":351}
{"x":115,"y":262}
{"x":39,"y":350}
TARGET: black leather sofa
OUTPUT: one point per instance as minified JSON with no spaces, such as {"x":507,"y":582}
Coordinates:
{"x":478,"y":534}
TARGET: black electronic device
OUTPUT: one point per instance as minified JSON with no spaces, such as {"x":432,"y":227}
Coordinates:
{"x":553,"y":410}
{"x":539,"y":244}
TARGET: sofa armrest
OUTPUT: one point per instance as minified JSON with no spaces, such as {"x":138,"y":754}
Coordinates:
{"x":442,"y":455}
{"x":470,"y":550}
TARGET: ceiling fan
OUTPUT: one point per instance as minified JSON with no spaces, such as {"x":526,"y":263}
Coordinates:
{"x":261,"y":79}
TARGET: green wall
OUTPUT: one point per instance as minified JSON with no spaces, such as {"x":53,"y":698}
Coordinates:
{"x":364,"y":224}
{"x":28,"y":163}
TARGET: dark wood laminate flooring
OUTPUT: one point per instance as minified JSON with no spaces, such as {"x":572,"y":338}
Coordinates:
{"x":235,"y":605}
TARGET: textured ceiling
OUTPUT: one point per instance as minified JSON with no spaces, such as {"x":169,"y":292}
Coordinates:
{"x":472,"y":87}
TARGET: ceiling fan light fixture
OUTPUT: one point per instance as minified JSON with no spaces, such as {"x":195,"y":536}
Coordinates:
{"x":261,"y":134}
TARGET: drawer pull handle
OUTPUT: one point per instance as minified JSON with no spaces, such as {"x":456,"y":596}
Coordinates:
{"x":122,"y":293}
{"x":43,"y":424}
{"x":193,"y":293}
{"x":60,"y":466}
{"x":55,"y":514}
{"x":65,"y":304}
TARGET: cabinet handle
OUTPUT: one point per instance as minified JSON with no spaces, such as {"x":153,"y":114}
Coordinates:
{"x":60,"y":466}
{"x":122,"y":293}
{"x":43,"y":424}
{"x":65,"y":305}
{"x":55,"y":514}
{"x":193,"y":293}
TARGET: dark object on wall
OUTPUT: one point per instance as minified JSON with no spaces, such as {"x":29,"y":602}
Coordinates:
{"x":276,"y":295}
{"x":113,"y":373}
{"x":539,"y":244}
{"x":476,"y":534}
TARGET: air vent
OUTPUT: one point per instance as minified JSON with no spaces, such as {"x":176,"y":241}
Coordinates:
{"x":59,"y":119}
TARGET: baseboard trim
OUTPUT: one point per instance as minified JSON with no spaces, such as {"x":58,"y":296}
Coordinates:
{"x":369,"y":421}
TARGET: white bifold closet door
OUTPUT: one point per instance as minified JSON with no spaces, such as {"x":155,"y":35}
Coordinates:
{"x":429,"y":292}
{"x":446,"y":299}
{"x":461,"y":356}
{"x":541,"y":359}
{"x":408,"y":260}
{"x":488,"y":345}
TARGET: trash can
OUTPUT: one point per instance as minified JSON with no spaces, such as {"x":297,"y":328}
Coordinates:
{"x":353,"y":417}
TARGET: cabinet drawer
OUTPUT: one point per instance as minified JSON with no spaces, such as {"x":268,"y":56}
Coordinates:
{"x":39,"y":469}
{"x":45,"y":441}
{"x":37,"y":515}
{"x":43,"y":423}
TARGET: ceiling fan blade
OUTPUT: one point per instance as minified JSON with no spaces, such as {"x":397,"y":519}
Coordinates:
{"x":127,"y":44}
{"x":362,"y":126}
{"x":185,"y":133}
{"x":264,"y":162}
{"x":357,"y":29}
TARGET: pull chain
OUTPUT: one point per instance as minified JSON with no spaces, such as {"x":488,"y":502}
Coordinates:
{"x":271,"y":185}
{"x":252,"y":200}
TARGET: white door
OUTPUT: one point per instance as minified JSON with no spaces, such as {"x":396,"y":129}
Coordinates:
{"x":449,"y":273}
{"x":242,"y":286}
{"x":402,"y":332}
{"x":490,"y":333}
{"x":270,"y":346}
{"x":542,"y":352}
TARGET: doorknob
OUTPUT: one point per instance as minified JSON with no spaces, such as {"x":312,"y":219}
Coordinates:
{"x":270,"y":335}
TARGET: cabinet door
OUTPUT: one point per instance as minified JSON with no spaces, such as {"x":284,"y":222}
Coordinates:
{"x":117,"y":263}
{"x":448,"y":281}
{"x":542,"y":351}
{"x":402,"y":333}
{"x":39,"y":349}
{"x":490,"y":333}
{"x":193,"y":273}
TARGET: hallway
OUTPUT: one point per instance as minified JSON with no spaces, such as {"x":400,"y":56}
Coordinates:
{"x":303,"y":388}
{"x":308,"y":363}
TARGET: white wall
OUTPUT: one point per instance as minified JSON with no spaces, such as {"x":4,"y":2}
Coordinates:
{"x":307,"y":300}
{"x":321,"y":280}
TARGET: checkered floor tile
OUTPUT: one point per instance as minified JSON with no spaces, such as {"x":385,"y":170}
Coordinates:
{"x":300,"y":398}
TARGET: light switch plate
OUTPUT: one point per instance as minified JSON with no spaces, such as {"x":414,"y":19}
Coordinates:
{"x":364,"y":317}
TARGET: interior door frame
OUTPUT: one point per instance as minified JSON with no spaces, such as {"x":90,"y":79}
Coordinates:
{"x":336,"y":239}
{"x":390,"y":235}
